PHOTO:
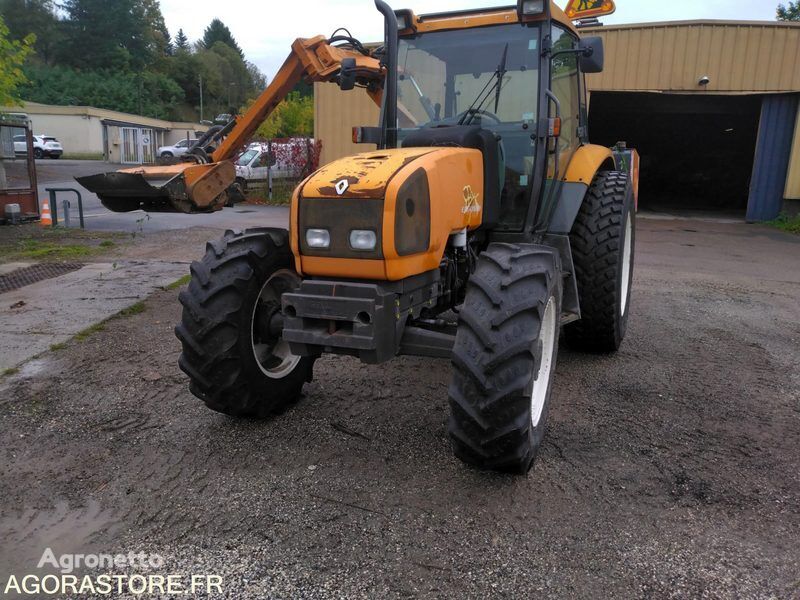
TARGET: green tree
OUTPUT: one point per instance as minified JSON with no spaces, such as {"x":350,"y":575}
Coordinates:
{"x":149,"y":94}
{"x":216,"y":32}
{"x":38,"y":17}
{"x":156,"y":32}
{"x":181,"y":41}
{"x":107,"y":34}
{"x":790,"y":12}
{"x":292,"y":117}
{"x":12,"y":56}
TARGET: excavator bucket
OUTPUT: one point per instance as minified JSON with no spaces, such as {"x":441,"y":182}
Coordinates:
{"x":183,"y":187}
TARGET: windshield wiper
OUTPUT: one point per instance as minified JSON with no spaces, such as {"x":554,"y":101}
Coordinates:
{"x":483,"y":96}
{"x":501,"y":72}
{"x":423,"y":99}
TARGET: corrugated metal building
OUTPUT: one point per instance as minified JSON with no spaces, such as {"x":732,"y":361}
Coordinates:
{"x":731,"y":145}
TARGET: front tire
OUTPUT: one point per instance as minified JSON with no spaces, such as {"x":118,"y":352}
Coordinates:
{"x":38,"y":153}
{"x":504,"y":357}
{"x":237,"y":364}
{"x":603,"y":244}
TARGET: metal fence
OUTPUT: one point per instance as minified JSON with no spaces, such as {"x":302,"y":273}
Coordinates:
{"x":270,"y":169}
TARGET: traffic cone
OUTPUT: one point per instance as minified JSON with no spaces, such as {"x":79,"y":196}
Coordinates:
{"x":46,"y":219}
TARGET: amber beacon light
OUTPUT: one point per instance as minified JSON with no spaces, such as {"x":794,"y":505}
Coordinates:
{"x":583,"y":9}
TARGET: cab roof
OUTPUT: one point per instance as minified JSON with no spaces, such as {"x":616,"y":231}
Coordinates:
{"x":478,"y":17}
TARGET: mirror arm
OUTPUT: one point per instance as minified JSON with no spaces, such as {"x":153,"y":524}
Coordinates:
{"x":587,"y":52}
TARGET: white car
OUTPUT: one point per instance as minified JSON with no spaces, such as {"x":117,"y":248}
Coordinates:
{"x":43,"y":146}
{"x":252,"y":164}
{"x":178,"y":149}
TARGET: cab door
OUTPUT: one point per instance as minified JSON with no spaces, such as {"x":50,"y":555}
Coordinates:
{"x":566,"y":104}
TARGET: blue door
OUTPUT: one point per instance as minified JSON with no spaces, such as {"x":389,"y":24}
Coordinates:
{"x":771,"y":165}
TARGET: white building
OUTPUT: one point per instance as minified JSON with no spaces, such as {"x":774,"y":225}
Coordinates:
{"x":85,"y":131}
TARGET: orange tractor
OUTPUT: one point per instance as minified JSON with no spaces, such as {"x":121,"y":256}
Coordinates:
{"x":483,"y":222}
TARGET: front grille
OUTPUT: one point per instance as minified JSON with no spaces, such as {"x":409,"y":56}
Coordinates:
{"x":340,"y":216}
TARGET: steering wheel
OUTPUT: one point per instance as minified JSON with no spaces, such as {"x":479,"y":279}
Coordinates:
{"x":484,"y":113}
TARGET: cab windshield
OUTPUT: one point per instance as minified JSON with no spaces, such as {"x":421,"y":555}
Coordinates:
{"x":489,"y":79}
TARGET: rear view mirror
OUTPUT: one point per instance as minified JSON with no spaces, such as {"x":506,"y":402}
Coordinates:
{"x":591,"y":54}
{"x":347,"y":76}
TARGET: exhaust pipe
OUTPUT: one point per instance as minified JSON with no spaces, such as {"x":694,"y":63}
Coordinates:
{"x":389,"y":107}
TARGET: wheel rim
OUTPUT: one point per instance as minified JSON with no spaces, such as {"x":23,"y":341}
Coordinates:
{"x":626,"y":265}
{"x":272,"y":353}
{"x":547,"y":336}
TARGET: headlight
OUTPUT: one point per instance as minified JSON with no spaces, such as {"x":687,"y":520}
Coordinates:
{"x":363,"y":239}
{"x":318,"y":238}
{"x":530,"y":7}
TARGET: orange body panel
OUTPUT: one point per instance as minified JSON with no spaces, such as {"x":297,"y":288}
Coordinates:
{"x":455,"y":182}
{"x":635,"y":177}
{"x":585,"y":163}
{"x":367,"y":173}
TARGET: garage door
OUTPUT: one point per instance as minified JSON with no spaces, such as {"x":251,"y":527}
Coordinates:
{"x":697,"y":151}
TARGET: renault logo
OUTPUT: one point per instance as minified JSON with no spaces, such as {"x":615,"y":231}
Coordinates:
{"x":341,"y":186}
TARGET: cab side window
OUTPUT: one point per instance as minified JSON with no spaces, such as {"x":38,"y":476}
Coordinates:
{"x":564,"y":83}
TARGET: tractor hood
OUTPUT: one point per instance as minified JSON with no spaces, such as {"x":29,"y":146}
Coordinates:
{"x":363,"y":175}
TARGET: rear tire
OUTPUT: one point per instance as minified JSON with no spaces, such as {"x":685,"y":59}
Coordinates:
{"x":234,"y":363}
{"x":504,"y":357}
{"x":603,"y":243}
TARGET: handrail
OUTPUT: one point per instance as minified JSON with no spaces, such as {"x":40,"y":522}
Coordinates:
{"x":54,"y":209}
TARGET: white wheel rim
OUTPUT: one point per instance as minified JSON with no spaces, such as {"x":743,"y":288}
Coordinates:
{"x":626,"y":266}
{"x":280,"y":354}
{"x":547,"y":335}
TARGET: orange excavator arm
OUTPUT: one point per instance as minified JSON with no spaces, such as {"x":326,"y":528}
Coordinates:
{"x":199,"y":183}
{"x":313,"y":59}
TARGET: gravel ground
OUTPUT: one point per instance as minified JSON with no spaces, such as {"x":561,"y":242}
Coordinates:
{"x":671,"y":469}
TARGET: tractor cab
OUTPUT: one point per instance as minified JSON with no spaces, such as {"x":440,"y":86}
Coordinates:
{"x":513,"y":74}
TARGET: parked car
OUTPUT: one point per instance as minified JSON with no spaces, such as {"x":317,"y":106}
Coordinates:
{"x":178,"y":149}
{"x":20,"y":144}
{"x":252,"y":164}
{"x":43,"y":146}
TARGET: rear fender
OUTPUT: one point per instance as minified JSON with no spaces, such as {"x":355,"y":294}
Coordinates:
{"x":583,"y":168}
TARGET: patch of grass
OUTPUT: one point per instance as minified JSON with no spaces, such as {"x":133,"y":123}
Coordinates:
{"x":135,"y":309}
{"x":83,"y":156}
{"x":31,"y":242}
{"x":786,"y":223}
{"x":57,"y":347}
{"x":10,"y":372}
{"x":86,"y":333}
{"x":180,"y":283}
{"x":41,"y":249}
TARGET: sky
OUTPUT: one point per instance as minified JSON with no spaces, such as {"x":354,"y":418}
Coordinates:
{"x":265,"y":30}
